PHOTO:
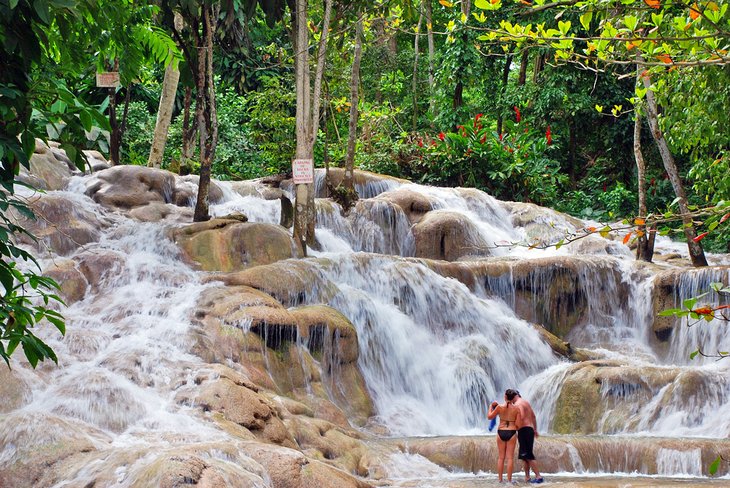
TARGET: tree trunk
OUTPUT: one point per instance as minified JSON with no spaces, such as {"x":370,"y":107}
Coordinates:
{"x":431,"y":56}
{"x":188,"y":132}
{"x":415,"y":72}
{"x":206,"y":112}
{"x":697,"y":255}
{"x":354,"y":99}
{"x":505,"y":80}
{"x":164,"y":115}
{"x":645,"y":247}
{"x":115,"y":137}
{"x":522,"y":79}
{"x":319,"y":74}
{"x":303,"y":213}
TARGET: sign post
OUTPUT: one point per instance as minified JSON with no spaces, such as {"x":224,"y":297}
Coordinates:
{"x":302,"y":171}
{"x":107,"y":79}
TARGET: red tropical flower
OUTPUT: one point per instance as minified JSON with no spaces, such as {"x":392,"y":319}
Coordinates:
{"x":483,"y":139}
{"x":549,"y":136}
{"x":501,"y":136}
{"x":518,"y":115}
{"x":420,"y":142}
{"x":442,"y":135}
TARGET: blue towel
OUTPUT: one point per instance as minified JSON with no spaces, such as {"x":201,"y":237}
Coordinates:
{"x":492,"y":424}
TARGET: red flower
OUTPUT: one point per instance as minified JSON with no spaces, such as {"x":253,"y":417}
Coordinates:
{"x":442,"y":135}
{"x":501,"y":135}
{"x":518,"y":115}
{"x":476,"y":121}
{"x":483,"y":139}
{"x":549,"y":136}
{"x":420,"y":142}
{"x":604,"y":187}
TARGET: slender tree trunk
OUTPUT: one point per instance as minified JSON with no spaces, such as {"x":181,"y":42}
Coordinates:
{"x":522,"y":79}
{"x":303,"y":213}
{"x":645,"y":248}
{"x":188,"y":131}
{"x":115,"y":138}
{"x":206,"y":112}
{"x":415,"y":72}
{"x":503,"y":88}
{"x":164,"y":115}
{"x":697,"y":255}
{"x":354,"y":99}
{"x":319,"y":73}
{"x":431,"y":56}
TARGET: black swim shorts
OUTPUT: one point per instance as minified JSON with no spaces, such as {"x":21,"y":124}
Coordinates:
{"x":526,"y":438}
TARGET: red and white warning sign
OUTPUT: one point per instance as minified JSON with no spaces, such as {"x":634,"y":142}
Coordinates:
{"x":302,"y":171}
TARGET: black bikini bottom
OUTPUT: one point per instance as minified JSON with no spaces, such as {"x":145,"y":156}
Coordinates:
{"x":506,"y":435}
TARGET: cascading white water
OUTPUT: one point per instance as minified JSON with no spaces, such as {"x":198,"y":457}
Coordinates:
{"x":433,"y":352}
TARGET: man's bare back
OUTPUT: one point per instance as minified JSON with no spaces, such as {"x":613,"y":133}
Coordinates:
{"x":526,"y":417}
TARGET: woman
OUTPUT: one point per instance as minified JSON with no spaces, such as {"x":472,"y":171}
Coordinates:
{"x":506,"y":438}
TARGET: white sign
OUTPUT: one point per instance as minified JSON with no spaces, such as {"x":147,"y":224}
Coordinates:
{"x":302,"y":171}
{"x":108,"y":79}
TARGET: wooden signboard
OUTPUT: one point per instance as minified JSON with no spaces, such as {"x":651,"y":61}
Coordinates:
{"x":302,"y":171}
{"x":107,"y":79}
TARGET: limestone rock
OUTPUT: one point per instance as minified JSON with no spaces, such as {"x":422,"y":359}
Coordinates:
{"x":188,"y":193}
{"x":72,"y":281}
{"x":61,"y":224}
{"x":288,"y":282}
{"x":448,"y":236}
{"x":245,"y":407}
{"x":49,"y":169}
{"x":127,"y":187}
{"x":226,"y":244}
{"x":14,"y":390}
{"x":414,"y":204}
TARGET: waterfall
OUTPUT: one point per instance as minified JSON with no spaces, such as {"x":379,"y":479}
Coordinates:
{"x":437,"y":341}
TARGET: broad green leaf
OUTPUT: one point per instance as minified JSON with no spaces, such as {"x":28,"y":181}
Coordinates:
{"x":689,"y":303}
{"x":694,"y":354}
{"x":715,"y":465}
{"x":585,"y":20}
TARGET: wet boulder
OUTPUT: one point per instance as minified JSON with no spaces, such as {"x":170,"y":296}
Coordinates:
{"x":127,"y":187}
{"x":72,"y":281}
{"x":447,"y":236}
{"x":49,"y":169}
{"x":414,"y":204}
{"x":230,"y":244}
{"x":62,"y":224}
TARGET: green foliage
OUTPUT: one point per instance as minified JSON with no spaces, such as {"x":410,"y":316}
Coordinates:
{"x":513,"y":165}
{"x":22,"y":290}
{"x":271,"y":123}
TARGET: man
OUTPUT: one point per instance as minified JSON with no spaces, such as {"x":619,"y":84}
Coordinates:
{"x":526,"y":434}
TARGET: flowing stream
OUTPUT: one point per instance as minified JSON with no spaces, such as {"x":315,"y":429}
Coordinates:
{"x":433,"y":351}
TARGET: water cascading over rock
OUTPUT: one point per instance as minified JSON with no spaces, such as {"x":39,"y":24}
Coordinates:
{"x":212,"y":352}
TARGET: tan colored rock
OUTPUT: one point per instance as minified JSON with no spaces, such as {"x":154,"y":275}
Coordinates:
{"x":42,"y":444}
{"x":243,"y":406}
{"x":61,"y":225}
{"x":183,"y":193}
{"x":14,"y":390}
{"x":99,"y":267}
{"x":326,"y":331}
{"x":230,"y":245}
{"x":414,"y":204}
{"x":447,"y":236}
{"x":47,"y":171}
{"x":288,"y":282}
{"x":291,"y":469}
{"x":152,"y":212}
{"x":72,"y":281}
{"x":367,"y":184}
{"x":131,"y":186}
